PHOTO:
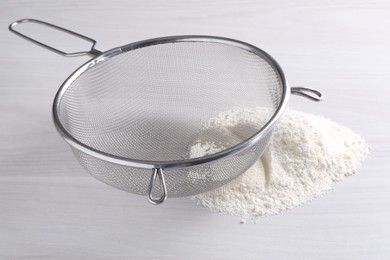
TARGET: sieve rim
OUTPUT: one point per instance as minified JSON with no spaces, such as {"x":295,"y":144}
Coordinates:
{"x":147,"y":164}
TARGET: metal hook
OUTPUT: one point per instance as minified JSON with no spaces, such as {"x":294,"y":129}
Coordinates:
{"x":309,"y":93}
{"x":157,"y":172}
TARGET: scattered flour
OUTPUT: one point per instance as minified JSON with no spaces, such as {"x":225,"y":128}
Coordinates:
{"x":309,"y":153}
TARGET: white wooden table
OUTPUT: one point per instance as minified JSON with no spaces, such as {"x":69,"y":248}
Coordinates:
{"x":51,"y":209}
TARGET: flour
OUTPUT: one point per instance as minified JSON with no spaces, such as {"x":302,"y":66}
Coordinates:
{"x":309,"y":153}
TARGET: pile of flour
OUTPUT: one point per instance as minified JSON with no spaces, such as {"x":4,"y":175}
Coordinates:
{"x":306,"y":155}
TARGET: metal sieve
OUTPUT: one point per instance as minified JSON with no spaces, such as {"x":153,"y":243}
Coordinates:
{"x":130,"y":114}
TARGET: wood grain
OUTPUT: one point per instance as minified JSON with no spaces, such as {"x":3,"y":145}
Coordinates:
{"x":51,"y":209}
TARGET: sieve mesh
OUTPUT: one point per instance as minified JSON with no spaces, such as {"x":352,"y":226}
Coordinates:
{"x":151,"y":103}
{"x":180,"y":182}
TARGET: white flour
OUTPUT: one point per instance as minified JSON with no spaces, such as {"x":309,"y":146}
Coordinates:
{"x":309,"y":153}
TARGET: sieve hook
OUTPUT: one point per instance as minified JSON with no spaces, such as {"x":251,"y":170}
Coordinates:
{"x":309,"y":93}
{"x":92,"y":52}
{"x":157,"y":173}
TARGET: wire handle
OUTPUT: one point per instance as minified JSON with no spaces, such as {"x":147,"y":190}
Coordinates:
{"x":157,"y":173}
{"x":92,"y":52}
{"x":309,"y":93}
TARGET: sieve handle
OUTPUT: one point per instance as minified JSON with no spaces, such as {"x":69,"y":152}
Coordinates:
{"x":309,"y":93}
{"x":157,"y":173}
{"x":92,"y":52}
